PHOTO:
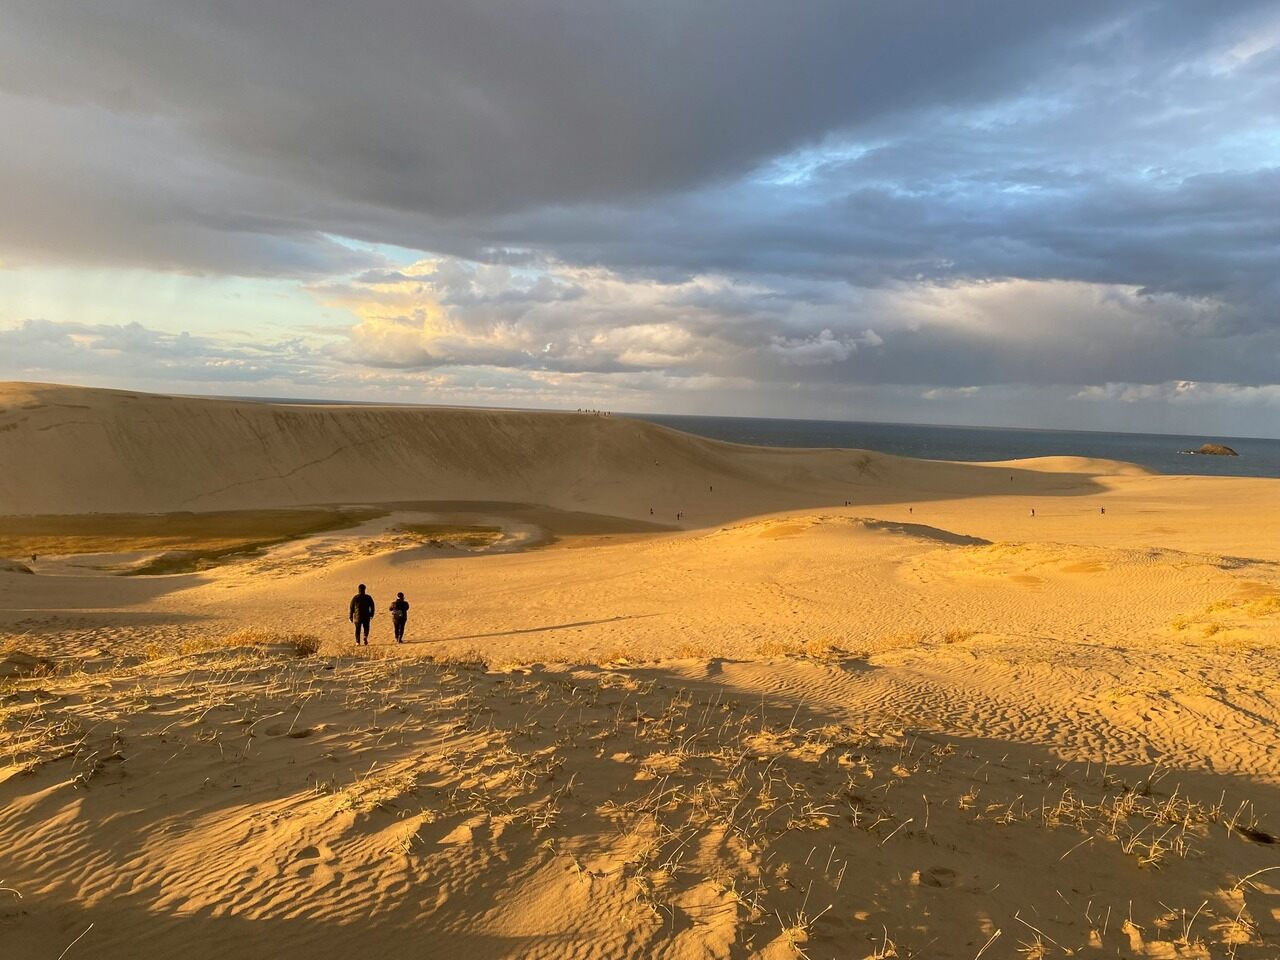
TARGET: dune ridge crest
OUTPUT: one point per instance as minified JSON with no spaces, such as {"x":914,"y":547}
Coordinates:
{"x":89,"y":450}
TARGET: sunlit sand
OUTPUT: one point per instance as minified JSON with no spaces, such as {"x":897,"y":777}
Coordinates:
{"x":848,"y":705}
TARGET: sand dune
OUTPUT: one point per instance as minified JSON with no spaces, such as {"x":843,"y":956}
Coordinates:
{"x":92,"y":451}
{"x":849,"y":705}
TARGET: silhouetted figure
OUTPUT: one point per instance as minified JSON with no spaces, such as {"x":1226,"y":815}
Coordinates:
{"x":651,"y":511}
{"x":911,"y":509}
{"x":399,"y":615}
{"x":1033,"y":511}
{"x":361,"y":613}
{"x":710,"y":488}
{"x":1103,"y":511}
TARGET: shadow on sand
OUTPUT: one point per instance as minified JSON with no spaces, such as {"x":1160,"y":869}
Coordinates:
{"x":547,"y":629}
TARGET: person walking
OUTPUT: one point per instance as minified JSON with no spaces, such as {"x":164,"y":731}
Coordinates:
{"x":360,"y":613}
{"x":399,"y":615}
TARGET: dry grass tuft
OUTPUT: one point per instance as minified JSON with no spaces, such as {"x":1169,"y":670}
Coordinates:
{"x":302,"y":644}
{"x":920,"y":639}
{"x":1235,"y":617}
{"x":471,"y":659}
{"x":817,"y":650}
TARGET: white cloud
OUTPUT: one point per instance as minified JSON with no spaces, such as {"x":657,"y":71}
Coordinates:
{"x":446,"y":311}
{"x":951,"y":393}
{"x":824,"y":348}
{"x":1189,"y":392}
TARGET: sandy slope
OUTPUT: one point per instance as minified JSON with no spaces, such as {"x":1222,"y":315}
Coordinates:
{"x":250,"y":805}
{"x":849,"y":706}
{"x":88,"y":451}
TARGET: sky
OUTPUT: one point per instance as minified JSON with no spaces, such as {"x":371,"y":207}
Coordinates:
{"x":992,"y":212}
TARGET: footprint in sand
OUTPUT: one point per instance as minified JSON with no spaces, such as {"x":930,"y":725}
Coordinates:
{"x":294,"y":733}
{"x":316,"y":862}
{"x":935,"y":877}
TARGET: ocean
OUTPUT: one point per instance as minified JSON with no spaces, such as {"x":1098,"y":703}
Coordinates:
{"x":1159,"y":452}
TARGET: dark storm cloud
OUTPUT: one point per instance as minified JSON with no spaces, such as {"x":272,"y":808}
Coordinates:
{"x":819,"y":159}
{"x":454,"y":107}
{"x":289,"y":119}
{"x":281,"y":123}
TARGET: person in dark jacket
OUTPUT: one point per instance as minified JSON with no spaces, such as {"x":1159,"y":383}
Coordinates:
{"x":361,"y":612}
{"x":399,"y":615}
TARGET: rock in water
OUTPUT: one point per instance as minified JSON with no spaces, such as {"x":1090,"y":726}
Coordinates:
{"x":1214,"y":450}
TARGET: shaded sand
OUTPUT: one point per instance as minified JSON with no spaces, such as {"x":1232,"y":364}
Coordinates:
{"x":922,"y":724}
{"x":243,"y":804}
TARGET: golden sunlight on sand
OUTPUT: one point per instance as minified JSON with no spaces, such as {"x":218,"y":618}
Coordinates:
{"x":660,"y":696}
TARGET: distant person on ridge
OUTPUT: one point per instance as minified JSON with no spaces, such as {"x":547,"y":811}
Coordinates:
{"x":399,"y":615}
{"x":361,"y":613}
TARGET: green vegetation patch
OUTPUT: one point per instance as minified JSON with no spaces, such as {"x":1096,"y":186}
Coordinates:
{"x":461,"y":534}
{"x":190,"y":541}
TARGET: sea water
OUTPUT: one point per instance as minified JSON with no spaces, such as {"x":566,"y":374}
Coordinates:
{"x":1159,"y":452}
